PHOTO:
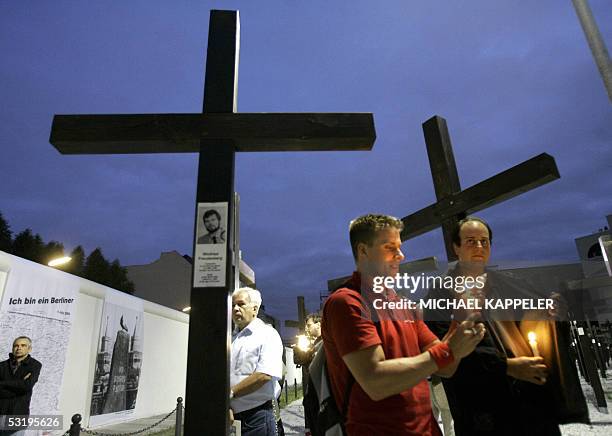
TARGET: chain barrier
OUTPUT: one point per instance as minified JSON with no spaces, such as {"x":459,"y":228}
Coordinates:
{"x":95,"y":433}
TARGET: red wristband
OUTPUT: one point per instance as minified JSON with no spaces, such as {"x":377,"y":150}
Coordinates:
{"x":442,"y":354}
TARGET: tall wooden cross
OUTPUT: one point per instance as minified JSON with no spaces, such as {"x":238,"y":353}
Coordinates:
{"x":216,"y":134}
{"x":454,"y":204}
{"x":300,"y":324}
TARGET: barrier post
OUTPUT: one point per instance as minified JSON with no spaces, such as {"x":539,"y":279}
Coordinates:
{"x":75,"y":428}
{"x":179,"y":417}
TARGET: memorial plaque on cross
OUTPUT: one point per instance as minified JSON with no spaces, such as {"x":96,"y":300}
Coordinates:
{"x":216,"y":134}
{"x":454,"y":204}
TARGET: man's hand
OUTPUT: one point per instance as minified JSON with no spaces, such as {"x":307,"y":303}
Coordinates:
{"x":231,"y":416}
{"x":529,"y":369}
{"x":463,"y":339}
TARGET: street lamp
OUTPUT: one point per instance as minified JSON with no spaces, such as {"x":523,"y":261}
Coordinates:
{"x":60,"y":261}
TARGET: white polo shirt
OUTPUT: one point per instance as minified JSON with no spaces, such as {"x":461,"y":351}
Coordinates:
{"x":256,"y":348}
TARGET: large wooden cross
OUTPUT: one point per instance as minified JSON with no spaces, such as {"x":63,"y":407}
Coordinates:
{"x":454,"y":204}
{"x":216,"y":134}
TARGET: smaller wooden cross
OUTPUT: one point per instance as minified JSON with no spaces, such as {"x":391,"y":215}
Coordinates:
{"x":300,"y":324}
{"x":454,"y":204}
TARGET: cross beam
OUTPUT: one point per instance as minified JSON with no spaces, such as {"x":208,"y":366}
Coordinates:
{"x":184,"y":133}
{"x":454,"y":204}
{"x":216,"y":134}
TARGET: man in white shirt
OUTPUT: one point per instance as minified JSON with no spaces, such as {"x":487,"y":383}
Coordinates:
{"x":256,"y":366}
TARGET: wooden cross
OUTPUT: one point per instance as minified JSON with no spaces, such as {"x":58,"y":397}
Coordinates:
{"x":454,"y":204}
{"x":216,"y":134}
{"x":300,"y":324}
{"x":587,"y":350}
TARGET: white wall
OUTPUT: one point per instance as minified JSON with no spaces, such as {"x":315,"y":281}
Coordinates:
{"x":293,"y":373}
{"x":164,"y":360}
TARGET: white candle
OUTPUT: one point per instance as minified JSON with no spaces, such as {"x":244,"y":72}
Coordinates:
{"x":533,"y":343}
{"x":303,"y":343}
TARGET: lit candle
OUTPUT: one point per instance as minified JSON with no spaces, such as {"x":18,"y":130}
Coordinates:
{"x":533,"y":343}
{"x":303,"y":343}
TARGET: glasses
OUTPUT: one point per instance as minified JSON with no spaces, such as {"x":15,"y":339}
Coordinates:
{"x":474,"y":242}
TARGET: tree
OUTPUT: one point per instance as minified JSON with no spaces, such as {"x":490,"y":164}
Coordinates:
{"x":77,"y":265}
{"x":52,"y":250}
{"x":6,"y":236}
{"x":97,"y":267}
{"x":29,"y":246}
{"x":119,"y":278}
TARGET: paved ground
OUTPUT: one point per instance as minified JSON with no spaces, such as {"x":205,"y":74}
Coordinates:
{"x":139,"y":424}
{"x":293,"y":418}
{"x":601,"y":423}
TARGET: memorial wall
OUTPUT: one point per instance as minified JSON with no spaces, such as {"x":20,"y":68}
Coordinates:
{"x":76,"y":327}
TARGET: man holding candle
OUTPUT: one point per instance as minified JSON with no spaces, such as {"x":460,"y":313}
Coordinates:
{"x":500,"y":389}
{"x":378,"y":360}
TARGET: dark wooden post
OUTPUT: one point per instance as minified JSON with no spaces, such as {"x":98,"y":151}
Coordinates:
{"x":286,"y":392}
{"x":300,"y":324}
{"x":591,"y":368}
{"x":577,"y":351}
{"x":595,"y":348}
{"x":444,"y":174}
{"x":209,"y":321}
{"x":583,"y":332}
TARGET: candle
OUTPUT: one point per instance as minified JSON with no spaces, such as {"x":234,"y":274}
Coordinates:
{"x":533,"y":343}
{"x":303,"y":343}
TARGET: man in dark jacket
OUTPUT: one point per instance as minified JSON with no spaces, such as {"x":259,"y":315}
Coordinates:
{"x":18,"y":375}
{"x":501,"y":388}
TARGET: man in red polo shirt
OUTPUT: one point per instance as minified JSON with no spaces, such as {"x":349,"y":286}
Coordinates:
{"x":388,"y":363}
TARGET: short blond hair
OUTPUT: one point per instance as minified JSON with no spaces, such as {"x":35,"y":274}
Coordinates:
{"x":363,"y":229}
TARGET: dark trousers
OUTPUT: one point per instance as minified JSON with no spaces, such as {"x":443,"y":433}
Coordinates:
{"x":279,"y":424}
{"x":258,"y":421}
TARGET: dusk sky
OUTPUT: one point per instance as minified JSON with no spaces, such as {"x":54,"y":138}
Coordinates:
{"x":513,"y":80}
